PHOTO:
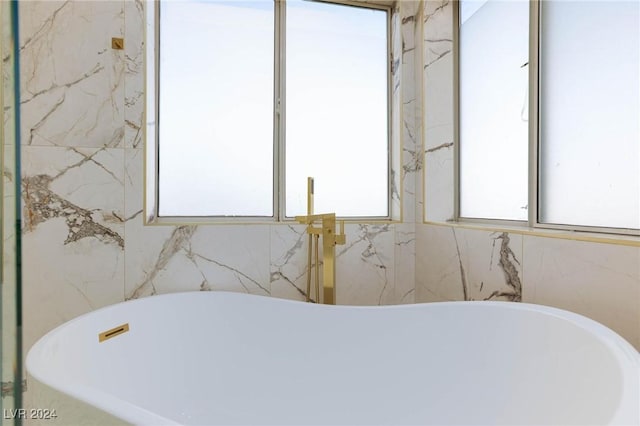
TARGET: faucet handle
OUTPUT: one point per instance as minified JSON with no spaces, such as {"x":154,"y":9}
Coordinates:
{"x":341,"y":238}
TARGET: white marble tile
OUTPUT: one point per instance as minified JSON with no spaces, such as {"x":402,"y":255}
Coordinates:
{"x":186,"y":258}
{"x":133,"y":182}
{"x":600,"y":281}
{"x":405,"y":261}
{"x":289,"y":251}
{"x":438,"y":30}
{"x":146,"y":256}
{"x":82,"y":185}
{"x":73,"y":243}
{"x":365,"y":265}
{"x":396,"y":114}
{"x":62,"y":280}
{"x":438,"y":196}
{"x":463,"y":264}
{"x":438,"y":111}
{"x":411,"y":158}
{"x":134,"y":72}
{"x":72,"y":80}
{"x":438,"y":275}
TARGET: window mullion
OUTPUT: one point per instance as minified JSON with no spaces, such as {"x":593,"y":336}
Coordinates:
{"x":279,"y":111}
{"x":534,"y":116}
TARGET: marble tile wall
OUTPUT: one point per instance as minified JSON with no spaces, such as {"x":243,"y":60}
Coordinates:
{"x":600,"y":281}
{"x":437,"y":80}
{"x":455,"y":264}
{"x":85,"y":244}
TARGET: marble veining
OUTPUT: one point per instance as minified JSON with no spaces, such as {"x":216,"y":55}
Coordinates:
{"x":464,"y":264}
{"x":363,"y":242}
{"x":437,"y":44}
{"x":396,"y":110}
{"x":438,"y":128}
{"x":439,"y":147}
{"x":192,"y":258}
{"x":404,"y":252}
{"x":511,"y":274}
{"x":507,"y":262}
{"x":72,"y":81}
{"x":243,"y":279}
{"x":177,"y":241}
{"x":42,"y":203}
{"x":414,"y":164}
{"x":45,"y":27}
{"x":134,"y":73}
{"x":283,"y":269}
{"x":410,"y":11}
{"x":463,"y":277}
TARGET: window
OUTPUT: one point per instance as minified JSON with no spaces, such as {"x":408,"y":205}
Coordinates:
{"x":494,"y":53}
{"x":590,"y":113}
{"x":252,"y":97}
{"x":570,"y":154}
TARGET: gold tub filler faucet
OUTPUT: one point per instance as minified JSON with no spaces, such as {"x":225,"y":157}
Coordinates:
{"x":330,"y":239}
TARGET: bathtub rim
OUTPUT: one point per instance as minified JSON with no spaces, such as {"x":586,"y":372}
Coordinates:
{"x":627,"y":356}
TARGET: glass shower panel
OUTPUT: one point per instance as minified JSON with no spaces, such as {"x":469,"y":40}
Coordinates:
{"x":11,"y":367}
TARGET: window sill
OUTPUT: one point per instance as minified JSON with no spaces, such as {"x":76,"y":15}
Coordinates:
{"x":524,"y":229}
{"x":217,"y":221}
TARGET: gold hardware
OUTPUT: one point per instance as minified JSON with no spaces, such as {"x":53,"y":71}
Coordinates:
{"x":117,"y":43}
{"x":116,"y":331}
{"x":309,"y":212}
{"x":329,"y":241}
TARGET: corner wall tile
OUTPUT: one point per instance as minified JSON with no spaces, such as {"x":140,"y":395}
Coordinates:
{"x":599,"y":281}
{"x":365,"y":265}
{"x":405,"y":261}
{"x":464,"y":264}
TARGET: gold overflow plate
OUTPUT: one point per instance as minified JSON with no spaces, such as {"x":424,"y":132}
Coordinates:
{"x":116,"y":331}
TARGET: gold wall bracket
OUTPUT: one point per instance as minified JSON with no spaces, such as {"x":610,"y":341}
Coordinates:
{"x":117,"y":43}
{"x":330,"y":238}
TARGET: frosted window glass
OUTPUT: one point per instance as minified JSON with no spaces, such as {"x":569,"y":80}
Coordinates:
{"x":590,"y":113}
{"x":216,"y":108}
{"x":493,"y":58}
{"x":336,"y":109}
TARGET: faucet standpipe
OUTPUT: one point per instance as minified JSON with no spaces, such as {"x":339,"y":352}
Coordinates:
{"x":330,"y":239}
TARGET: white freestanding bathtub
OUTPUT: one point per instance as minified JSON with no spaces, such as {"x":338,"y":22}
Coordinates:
{"x":217,"y":358}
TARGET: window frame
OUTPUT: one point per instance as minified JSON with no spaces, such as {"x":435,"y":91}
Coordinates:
{"x":533,"y":138}
{"x":151,"y":111}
